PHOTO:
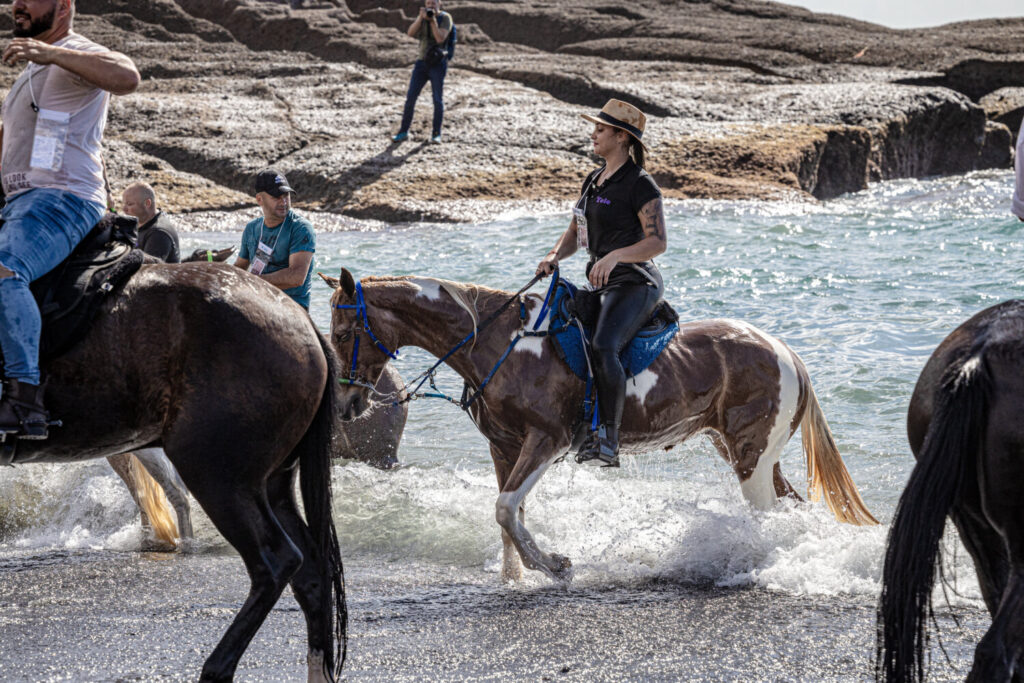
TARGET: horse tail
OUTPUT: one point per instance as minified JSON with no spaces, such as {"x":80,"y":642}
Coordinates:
{"x":315,"y":450}
{"x":826,"y":472}
{"x":153,"y":502}
{"x":954,"y":435}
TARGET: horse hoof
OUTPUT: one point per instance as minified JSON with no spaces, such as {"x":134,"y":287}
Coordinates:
{"x":563,"y":568}
{"x":155,"y":545}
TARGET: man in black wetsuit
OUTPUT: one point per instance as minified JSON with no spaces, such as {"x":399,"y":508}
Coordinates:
{"x":157,"y":234}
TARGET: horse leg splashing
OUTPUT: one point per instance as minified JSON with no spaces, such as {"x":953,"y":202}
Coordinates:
{"x":155,"y":461}
{"x":965,"y":430}
{"x":159,"y":493}
{"x":721,"y":377}
{"x":155,"y":509}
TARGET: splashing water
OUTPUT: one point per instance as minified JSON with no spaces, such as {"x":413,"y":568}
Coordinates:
{"x":862,"y":288}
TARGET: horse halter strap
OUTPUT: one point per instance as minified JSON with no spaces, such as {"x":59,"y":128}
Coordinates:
{"x":360,"y":309}
{"x":468,"y":397}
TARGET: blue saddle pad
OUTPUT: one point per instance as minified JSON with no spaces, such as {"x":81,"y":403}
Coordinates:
{"x":636,"y":357}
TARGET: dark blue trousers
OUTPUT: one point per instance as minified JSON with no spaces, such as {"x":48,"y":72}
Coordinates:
{"x":421,"y":73}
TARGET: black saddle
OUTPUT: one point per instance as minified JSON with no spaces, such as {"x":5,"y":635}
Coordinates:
{"x":69,"y":296}
{"x":586,"y":305}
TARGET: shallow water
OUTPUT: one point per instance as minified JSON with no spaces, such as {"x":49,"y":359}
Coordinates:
{"x":676,"y":578}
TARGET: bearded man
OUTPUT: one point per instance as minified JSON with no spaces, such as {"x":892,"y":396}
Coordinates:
{"x":50,"y":163}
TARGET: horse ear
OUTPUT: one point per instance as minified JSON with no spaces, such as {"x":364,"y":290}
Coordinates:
{"x":348,"y":283}
{"x":332,"y":281}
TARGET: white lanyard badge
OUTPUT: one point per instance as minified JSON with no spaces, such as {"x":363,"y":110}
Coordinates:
{"x":50,"y":140}
{"x":51,"y":134}
{"x":264,"y":251}
{"x":582,"y":236}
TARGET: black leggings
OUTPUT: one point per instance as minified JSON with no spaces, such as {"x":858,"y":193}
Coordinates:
{"x":624,"y":310}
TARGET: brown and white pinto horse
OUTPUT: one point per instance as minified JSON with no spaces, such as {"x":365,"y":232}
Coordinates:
{"x":744,"y":388}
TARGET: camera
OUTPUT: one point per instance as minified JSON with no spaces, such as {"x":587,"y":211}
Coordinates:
{"x":430,"y":14}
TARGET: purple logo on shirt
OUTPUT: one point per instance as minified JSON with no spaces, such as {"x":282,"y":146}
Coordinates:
{"x":602,"y":200}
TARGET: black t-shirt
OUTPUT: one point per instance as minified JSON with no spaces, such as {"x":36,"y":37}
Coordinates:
{"x":159,"y":238}
{"x":612,"y":221}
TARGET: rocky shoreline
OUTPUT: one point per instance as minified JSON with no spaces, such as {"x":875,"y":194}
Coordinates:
{"x":747,"y":99}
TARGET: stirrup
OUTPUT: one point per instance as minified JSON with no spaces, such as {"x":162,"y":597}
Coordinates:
{"x":37,"y":430}
{"x":34,"y":429}
{"x":597,"y":450}
{"x":31,"y":431}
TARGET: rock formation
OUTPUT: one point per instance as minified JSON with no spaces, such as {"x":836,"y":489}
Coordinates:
{"x":746,"y":99}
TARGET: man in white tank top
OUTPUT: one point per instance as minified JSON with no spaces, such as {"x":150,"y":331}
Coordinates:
{"x":52,"y":172}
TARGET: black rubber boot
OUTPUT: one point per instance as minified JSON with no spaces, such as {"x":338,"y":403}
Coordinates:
{"x":600,"y":448}
{"x":21,"y":411}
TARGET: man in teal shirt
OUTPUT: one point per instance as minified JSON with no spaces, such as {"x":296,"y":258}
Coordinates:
{"x":279,"y":246}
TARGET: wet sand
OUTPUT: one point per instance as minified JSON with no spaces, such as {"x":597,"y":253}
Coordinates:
{"x":109,"y":616}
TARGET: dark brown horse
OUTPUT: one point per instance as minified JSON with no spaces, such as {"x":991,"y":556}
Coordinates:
{"x":966,"y":432}
{"x":233,"y":380}
{"x":162,"y":497}
{"x":744,"y":388}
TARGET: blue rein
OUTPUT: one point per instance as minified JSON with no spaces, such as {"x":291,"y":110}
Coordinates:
{"x":467,"y":400}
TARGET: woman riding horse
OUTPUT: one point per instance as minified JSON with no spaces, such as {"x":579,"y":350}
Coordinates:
{"x":618,"y":219}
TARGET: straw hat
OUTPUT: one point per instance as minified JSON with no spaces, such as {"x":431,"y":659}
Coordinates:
{"x":624,"y":116}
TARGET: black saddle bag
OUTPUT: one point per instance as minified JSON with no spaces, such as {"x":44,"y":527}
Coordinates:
{"x":70,"y":295}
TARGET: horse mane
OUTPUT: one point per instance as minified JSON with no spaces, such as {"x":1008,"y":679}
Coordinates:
{"x":462,"y":299}
{"x":466,"y":295}
{"x":482,"y":290}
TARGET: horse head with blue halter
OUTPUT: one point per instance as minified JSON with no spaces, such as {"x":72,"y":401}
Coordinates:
{"x":362,"y":352}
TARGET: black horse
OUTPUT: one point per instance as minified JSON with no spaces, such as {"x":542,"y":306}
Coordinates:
{"x":966,"y":431}
{"x":233,"y":380}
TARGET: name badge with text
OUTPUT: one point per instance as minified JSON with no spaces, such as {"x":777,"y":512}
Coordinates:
{"x":260,"y":259}
{"x":50,"y":140}
{"x":582,"y":238}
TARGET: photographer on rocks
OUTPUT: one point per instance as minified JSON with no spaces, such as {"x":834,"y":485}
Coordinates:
{"x":432,"y":27}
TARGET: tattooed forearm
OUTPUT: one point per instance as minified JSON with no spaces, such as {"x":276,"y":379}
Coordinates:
{"x":653,"y":219}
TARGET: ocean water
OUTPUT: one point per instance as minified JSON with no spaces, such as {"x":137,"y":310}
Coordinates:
{"x":862,"y":288}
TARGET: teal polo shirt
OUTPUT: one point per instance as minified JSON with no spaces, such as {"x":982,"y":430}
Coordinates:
{"x":293,"y":235}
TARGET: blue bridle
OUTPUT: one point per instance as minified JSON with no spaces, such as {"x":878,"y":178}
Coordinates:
{"x":467,"y":399}
{"x":360,"y":309}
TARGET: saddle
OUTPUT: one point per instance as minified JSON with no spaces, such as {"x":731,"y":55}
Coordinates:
{"x":569,"y":302}
{"x":70,"y":295}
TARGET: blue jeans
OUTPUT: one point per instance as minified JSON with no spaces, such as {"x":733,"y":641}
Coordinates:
{"x":421,"y":73}
{"x":41,"y":228}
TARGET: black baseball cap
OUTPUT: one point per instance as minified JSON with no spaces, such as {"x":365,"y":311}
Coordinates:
{"x":272,"y":182}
